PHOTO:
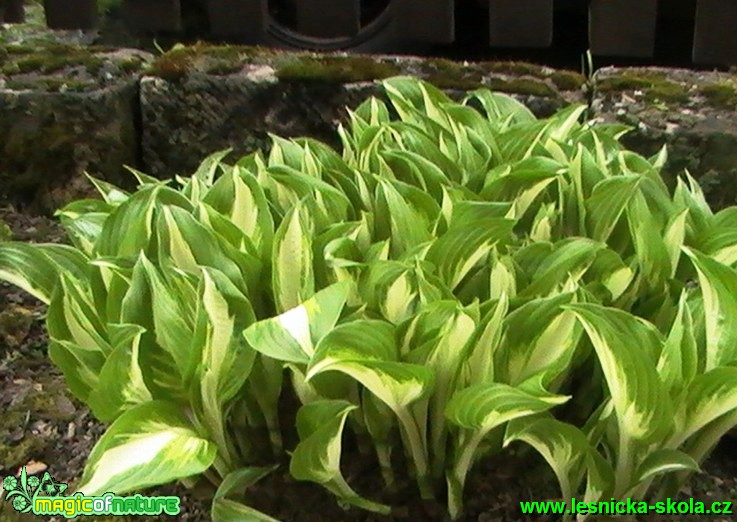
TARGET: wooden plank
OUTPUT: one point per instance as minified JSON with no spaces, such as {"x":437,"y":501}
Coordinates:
{"x":328,"y":18}
{"x":520,"y":23}
{"x":149,"y":16}
{"x":13,"y":13}
{"x":715,"y":32}
{"x":242,"y":20}
{"x":71,"y":14}
{"x":424,"y":21}
{"x":622,"y":27}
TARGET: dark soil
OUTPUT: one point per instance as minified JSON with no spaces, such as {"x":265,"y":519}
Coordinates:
{"x":44,"y":428}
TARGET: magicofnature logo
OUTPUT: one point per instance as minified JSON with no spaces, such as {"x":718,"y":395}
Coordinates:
{"x":43,"y":496}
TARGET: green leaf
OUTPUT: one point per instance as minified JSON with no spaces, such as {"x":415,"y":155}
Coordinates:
{"x":317,"y":457}
{"x":149,"y":445}
{"x":292,"y":336}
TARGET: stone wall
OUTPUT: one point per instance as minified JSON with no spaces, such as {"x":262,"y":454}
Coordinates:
{"x":62,"y":114}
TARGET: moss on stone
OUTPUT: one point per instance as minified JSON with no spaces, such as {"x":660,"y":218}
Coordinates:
{"x":515,"y":68}
{"x":568,"y":80}
{"x":20,"y":453}
{"x":47,"y":84}
{"x":523,"y":86}
{"x":48,"y":59}
{"x":655,"y":86}
{"x":338,"y":69}
{"x":447,"y":74}
{"x":209,"y":59}
{"x":6,"y":234}
{"x":722,"y":95}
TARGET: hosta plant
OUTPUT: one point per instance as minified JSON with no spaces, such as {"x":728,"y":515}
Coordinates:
{"x":459,"y":277}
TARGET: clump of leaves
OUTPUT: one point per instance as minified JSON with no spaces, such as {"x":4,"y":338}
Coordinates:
{"x":438,"y":288}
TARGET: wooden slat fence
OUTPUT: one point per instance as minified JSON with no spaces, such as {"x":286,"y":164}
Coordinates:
{"x":617,"y":28}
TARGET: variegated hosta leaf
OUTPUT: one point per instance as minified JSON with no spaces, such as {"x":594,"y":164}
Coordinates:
{"x":474,"y":230}
{"x":317,"y":457}
{"x":226,"y":359}
{"x":679,"y":360}
{"x":609,"y":270}
{"x":720,"y":241}
{"x":399,"y":220}
{"x":173,"y":327}
{"x":208,"y":168}
{"x":120,"y":385}
{"x":148,"y":445}
{"x":568,"y":261}
{"x":688,"y":195}
{"x":129,"y":228}
{"x":112,"y":195}
{"x":234,"y":484}
{"x":483,"y":407}
{"x":226,"y":510}
{"x":478,"y":410}
{"x":647,"y":237}
{"x":627,"y":348}
{"x":709,"y":396}
{"x":563,"y":446}
{"x":293,"y":280}
{"x":239,"y":196}
{"x":538,"y":337}
{"x":73,"y":318}
{"x":83,"y":221}
{"x":501,"y":109}
{"x":520,"y":183}
{"x":444,"y":355}
{"x":663,"y":461}
{"x":607,"y":204}
{"x":191,"y":244}
{"x":367,"y":351}
{"x":479,"y":367}
{"x":222,"y":316}
{"x":719,"y":287}
{"x":36,"y":268}
{"x":292,"y":336}
{"x":674,"y":238}
{"x":157,"y":364}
